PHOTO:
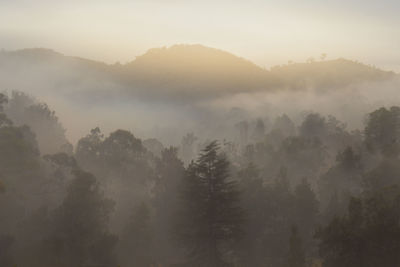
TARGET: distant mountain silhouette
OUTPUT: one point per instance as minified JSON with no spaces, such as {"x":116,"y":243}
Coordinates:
{"x":196,"y":68}
{"x":178,"y":72}
{"x":328,"y":74}
{"x":41,"y":70}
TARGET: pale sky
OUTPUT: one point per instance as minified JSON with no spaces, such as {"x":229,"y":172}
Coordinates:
{"x":266,"y":32}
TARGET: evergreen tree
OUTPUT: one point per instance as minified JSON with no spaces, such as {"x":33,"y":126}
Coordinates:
{"x":211,"y":219}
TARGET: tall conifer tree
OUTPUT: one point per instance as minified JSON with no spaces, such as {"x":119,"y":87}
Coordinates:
{"x":211,"y":219}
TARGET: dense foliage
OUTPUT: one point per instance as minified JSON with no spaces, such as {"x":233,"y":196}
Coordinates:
{"x":279,"y":193}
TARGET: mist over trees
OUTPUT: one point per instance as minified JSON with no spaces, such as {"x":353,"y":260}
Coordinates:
{"x":284,"y":187}
{"x":171,"y":91}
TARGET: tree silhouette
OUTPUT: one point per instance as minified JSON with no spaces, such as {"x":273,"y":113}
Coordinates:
{"x":80,"y":234}
{"x":211,"y":219}
{"x":382,"y":132}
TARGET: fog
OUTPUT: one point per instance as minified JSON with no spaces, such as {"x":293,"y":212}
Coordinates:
{"x":192,"y":156}
{"x":86,"y":94}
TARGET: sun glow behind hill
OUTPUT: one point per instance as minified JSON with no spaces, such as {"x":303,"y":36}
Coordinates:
{"x":267,"y":32}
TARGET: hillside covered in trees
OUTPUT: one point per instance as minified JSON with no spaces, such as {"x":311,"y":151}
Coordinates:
{"x":268,"y":190}
{"x":213,"y":133}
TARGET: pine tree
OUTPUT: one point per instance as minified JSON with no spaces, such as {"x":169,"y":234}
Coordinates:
{"x":211,"y":219}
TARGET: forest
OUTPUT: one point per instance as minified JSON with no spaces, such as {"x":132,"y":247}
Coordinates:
{"x":276,"y":191}
{"x":213,"y":133}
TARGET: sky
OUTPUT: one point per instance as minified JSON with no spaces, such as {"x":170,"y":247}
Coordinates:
{"x":264,"y":31}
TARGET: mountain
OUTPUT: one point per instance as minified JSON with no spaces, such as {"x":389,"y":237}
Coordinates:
{"x":195,"y":69}
{"x":179,"y":73}
{"x":46,"y":59}
{"x":328,"y":74}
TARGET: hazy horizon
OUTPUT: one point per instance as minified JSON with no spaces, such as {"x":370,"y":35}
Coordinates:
{"x":317,"y":58}
{"x":231,"y":133}
{"x":264,"y":32}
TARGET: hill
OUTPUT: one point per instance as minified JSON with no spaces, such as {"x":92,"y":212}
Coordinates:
{"x":192,"y":71}
{"x":328,"y":74}
{"x":179,"y":73}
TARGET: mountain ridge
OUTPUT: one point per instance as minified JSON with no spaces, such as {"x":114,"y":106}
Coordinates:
{"x":182,"y":71}
{"x":51,"y":52}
